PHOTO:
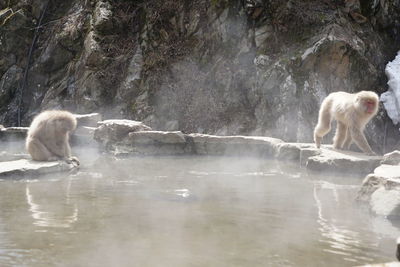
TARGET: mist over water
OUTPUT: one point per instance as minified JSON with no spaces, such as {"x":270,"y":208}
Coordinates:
{"x":188,"y":211}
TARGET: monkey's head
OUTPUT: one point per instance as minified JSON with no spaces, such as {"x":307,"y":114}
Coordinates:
{"x":367,"y":102}
{"x":64,"y":124}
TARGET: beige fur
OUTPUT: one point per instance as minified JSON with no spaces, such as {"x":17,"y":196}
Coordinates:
{"x":48,"y":136}
{"x":352,"y":114}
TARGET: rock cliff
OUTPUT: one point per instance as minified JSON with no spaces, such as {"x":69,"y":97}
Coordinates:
{"x":221,"y":67}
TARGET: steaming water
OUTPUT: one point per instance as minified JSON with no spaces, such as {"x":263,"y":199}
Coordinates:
{"x":195,"y":211}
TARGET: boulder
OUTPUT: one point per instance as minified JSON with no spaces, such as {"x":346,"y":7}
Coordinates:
{"x":381,"y":190}
{"x":333,"y":160}
{"x":28,"y":168}
{"x":204,"y":144}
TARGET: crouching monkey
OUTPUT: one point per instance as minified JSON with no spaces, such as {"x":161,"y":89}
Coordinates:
{"x":48,"y":136}
{"x":352,"y":112}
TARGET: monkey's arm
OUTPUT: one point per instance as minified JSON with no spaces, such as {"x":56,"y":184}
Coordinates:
{"x":359,"y":138}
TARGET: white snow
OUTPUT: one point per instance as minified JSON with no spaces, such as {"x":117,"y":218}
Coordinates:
{"x":391,"y":98}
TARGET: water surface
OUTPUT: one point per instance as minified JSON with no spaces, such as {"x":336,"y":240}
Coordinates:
{"x":194,"y":211}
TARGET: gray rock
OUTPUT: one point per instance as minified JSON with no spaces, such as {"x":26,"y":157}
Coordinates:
{"x":29,"y":168}
{"x":204,"y":144}
{"x":342,"y":161}
{"x":392,"y":158}
{"x":112,"y":131}
{"x":91,"y":119}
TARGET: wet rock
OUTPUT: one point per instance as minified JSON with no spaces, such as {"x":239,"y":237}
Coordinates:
{"x":204,"y":144}
{"x":381,"y":190}
{"x":91,"y":119}
{"x":392,"y":158}
{"x":342,"y":161}
{"x":29,"y":168}
{"x":112,"y":131}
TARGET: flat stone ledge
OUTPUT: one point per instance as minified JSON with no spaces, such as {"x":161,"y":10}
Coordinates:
{"x":204,"y":144}
{"x":155,"y":137}
{"x":27,"y":167}
{"x":333,"y":160}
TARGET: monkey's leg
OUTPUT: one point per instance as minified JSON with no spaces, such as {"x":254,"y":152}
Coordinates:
{"x":359,"y":138}
{"x":348,"y":140}
{"x":340,"y":135}
{"x":323,"y":126}
{"x":39,"y":152}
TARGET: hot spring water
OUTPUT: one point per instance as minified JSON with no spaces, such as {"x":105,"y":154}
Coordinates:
{"x":189,"y":211}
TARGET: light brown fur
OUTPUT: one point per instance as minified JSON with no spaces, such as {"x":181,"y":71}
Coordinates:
{"x":48,"y":136}
{"x":351,"y":113}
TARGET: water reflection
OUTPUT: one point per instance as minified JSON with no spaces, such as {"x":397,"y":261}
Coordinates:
{"x":341,"y":240}
{"x":58,"y":211}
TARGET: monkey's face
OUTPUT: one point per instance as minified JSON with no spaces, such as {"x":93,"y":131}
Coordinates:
{"x":370,"y":106}
{"x":367,"y":104}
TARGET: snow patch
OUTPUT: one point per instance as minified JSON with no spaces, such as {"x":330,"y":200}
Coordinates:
{"x":391,"y":98}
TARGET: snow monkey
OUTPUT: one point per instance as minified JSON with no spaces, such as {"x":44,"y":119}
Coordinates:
{"x":48,"y":136}
{"x":352,"y":112}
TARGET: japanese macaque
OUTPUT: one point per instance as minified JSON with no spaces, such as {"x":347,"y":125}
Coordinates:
{"x":48,"y":136}
{"x":352,"y":112}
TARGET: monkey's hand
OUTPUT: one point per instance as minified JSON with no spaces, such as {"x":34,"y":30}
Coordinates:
{"x":73,"y":160}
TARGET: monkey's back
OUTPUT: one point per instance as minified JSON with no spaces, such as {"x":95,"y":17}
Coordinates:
{"x":339,"y":104}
